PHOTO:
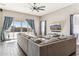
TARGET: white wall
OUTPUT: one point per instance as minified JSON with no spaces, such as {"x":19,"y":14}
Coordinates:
{"x":23,"y":17}
{"x":60,"y":15}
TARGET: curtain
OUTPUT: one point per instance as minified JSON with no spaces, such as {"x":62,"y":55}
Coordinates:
{"x":32,"y":25}
{"x":40,"y":28}
{"x":45,"y":27}
{"x":6,"y":25}
{"x":71,"y":24}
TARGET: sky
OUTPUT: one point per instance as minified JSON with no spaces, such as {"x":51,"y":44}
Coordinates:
{"x":18,"y":24}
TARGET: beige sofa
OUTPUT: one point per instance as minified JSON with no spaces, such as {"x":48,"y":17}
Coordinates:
{"x":62,"y":47}
{"x":22,"y":42}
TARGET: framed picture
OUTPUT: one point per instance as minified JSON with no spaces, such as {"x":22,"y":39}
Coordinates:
{"x":55,"y":28}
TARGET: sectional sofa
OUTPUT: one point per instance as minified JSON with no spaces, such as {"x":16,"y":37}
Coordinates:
{"x":53,"y":47}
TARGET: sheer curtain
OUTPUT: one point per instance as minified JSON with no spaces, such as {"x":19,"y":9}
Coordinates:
{"x":6,"y":25}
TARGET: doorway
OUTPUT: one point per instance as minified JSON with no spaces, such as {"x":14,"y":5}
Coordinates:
{"x":43,"y":27}
{"x":75,"y":26}
{"x":15,"y":28}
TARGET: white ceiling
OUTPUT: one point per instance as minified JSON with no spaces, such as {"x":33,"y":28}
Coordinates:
{"x":25,"y":7}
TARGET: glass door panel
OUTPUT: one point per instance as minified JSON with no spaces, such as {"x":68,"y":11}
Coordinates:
{"x":9,"y":33}
{"x":17,"y":27}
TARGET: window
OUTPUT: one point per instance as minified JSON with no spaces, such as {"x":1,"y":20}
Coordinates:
{"x":25,"y":26}
{"x":17,"y":27}
{"x":43,"y":27}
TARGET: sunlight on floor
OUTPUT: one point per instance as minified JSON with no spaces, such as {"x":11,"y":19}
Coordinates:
{"x":10,"y":41}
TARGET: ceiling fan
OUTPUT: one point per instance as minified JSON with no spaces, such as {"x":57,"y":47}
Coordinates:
{"x":37,"y":8}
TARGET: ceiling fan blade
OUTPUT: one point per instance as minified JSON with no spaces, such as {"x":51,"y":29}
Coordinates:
{"x":34,"y":4}
{"x":41,"y":9}
{"x":42,"y":6}
{"x":37,"y":10}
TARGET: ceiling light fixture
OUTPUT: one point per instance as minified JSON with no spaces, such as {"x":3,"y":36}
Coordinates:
{"x":37,"y":8}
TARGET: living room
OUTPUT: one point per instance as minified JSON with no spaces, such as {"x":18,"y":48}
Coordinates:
{"x":36,"y":30}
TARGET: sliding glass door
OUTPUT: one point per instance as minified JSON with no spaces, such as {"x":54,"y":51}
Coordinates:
{"x":17,"y":27}
{"x":6,"y":28}
{"x":9,"y":32}
{"x":13,"y":30}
